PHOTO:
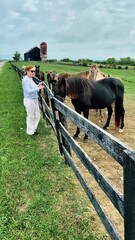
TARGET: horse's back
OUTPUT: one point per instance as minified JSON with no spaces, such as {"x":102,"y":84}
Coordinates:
{"x":110,"y":82}
{"x":106,"y":91}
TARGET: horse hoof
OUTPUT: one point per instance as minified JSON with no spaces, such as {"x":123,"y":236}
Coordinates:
{"x":105,"y":128}
{"x":85,"y":140}
{"x":121,"y":130}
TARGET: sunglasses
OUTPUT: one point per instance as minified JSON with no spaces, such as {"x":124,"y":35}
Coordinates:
{"x":32,"y":71}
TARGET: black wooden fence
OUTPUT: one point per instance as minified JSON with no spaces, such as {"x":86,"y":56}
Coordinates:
{"x":125,"y":156}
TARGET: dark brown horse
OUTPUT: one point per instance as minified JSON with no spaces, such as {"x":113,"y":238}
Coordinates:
{"x":52,"y":78}
{"x":39,"y":74}
{"x":87,"y":95}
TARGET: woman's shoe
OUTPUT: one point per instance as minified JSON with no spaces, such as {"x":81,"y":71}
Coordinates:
{"x":35,"y":133}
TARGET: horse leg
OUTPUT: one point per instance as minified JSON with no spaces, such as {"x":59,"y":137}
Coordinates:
{"x":49,"y":81}
{"x":109,"y":117}
{"x":100,"y":114}
{"x":75,"y":136}
{"x":86,"y":115}
{"x":49,"y":84}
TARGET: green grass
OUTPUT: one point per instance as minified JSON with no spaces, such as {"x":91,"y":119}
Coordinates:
{"x":127,"y":76}
{"x":40,"y":199}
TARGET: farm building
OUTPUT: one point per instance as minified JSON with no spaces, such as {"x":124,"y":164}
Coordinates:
{"x":32,"y":55}
{"x":43,"y":51}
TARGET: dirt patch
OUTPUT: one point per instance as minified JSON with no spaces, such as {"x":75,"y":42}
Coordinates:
{"x":110,"y":168}
{"x":27,"y":200}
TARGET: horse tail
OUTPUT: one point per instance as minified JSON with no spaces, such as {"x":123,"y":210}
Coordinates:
{"x":119,"y":108}
{"x":117,"y":115}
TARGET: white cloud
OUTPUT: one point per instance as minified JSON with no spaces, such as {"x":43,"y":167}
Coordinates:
{"x":14,"y":15}
{"x":96,"y":29}
{"x":30,"y":6}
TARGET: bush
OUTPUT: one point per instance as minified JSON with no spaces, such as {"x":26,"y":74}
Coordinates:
{"x":84,"y":64}
{"x":119,"y":67}
{"x":101,"y":66}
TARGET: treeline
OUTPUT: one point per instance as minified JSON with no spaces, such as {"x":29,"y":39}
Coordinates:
{"x":110,"y":62}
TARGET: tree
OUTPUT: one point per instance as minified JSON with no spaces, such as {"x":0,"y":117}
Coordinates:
{"x":127,"y":61}
{"x":111,"y":61}
{"x":17,"y":56}
{"x":66,"y":60}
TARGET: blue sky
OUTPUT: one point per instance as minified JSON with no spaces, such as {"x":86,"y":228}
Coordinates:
{"x":94,"y":29}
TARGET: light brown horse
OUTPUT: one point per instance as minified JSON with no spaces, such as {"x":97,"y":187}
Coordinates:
{"x":53,"y":76}
{"x":89,"y":74}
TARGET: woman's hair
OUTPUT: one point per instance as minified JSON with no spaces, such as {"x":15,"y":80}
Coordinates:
{"x":29,"y":67}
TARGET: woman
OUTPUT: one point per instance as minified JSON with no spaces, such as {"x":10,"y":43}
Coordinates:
{"x":30,"y":90}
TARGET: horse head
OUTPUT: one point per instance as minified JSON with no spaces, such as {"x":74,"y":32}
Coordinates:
{"x":39,"y":74}
{"x":23,"y":67}
{"x":93,"y":71}
{"x":60,"y":89}
{"x":23,"y":70}
{"x":52,"y":78}
{"x":37,"y":69}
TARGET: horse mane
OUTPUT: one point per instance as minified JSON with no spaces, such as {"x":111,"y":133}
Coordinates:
{"x":77,"y":86}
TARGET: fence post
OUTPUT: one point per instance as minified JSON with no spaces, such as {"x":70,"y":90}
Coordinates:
{"x":48,"y":103}
{"x":63,"y":120}
{"x":129,"y":195}
{"x":56,"y":125}
{"x":64,"y":123}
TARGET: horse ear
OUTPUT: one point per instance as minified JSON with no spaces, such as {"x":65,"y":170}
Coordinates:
{"x":63,"y":81}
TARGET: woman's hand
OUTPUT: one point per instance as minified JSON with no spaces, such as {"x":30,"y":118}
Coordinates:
{"x":40,"y":85}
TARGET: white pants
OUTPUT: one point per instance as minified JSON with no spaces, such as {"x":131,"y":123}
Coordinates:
{"x":33,"y":115}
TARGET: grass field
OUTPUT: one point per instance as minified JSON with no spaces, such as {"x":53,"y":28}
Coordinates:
{"x":40,"y":197}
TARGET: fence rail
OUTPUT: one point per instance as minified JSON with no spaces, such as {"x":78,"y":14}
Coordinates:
{"x":125,"y":156}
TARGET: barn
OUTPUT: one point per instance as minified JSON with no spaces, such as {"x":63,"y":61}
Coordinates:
{"x":43,"y":51}
{"x":32,"y":55}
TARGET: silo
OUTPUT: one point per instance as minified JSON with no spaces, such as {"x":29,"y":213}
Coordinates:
{"x":43,"y":51}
